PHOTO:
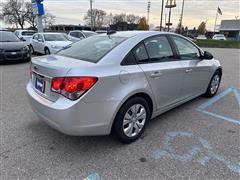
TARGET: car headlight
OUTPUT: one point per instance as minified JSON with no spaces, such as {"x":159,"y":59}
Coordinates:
{"x":25,"y":49}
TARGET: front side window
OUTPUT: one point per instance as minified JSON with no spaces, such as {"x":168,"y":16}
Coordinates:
{"x":187,"y":50}
{"x":55,"y":37}
{"x":159,"y":49}
{"x":40,"y":37}
{"x":35,"y":36}
{"x":92,"y":49}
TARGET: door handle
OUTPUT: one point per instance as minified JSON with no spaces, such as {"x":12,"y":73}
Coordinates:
{"x":189,"y":70}
{"x":156,"y":74}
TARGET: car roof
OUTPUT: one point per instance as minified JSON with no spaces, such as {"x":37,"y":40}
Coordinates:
{"x":9,"y":32}
{"x":129,"y":34}
{"x":81,"y":31}
{"x":23,"y":30}
{"x":50,"y":33}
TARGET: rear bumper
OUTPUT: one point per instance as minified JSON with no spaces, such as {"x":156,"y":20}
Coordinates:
{"x":75,"y":118}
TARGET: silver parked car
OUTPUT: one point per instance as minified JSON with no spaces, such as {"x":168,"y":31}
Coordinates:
{"x":116,"y":82}
{"x":77,"y":35}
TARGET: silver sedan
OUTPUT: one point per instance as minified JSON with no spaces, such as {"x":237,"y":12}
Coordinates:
{"x":116,"y":82}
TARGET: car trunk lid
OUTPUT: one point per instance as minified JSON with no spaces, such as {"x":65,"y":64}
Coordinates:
{"x":47,"y":67}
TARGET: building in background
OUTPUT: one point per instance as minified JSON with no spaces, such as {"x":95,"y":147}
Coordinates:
{"x":231,"y":29}
{"x":67,"y":28}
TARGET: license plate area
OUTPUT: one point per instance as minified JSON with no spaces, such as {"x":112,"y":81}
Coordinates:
{"x":40,"y":84}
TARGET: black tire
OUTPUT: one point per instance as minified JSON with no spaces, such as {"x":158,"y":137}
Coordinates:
{"x":118,"y":128}
{"x":47,"y":51}
{"x":209,"y":93}
{"x":32,"y":49}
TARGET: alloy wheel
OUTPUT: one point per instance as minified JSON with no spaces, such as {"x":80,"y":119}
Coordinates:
{"x":134,"y":120}
{"x":215,"y":84}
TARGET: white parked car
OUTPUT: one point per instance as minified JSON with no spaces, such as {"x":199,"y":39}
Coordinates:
{"x":77,"y":35}
{"x":25,"y":35}
{"x":48,"y":43}
{"x":219,"y":37}
{"x":201,"y":37}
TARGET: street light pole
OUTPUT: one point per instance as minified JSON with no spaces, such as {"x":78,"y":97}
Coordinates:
{"x":161,"y":15}
{"x":91,"y":11}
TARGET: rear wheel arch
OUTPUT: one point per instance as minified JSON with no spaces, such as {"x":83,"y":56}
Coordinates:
{"x":139,"y":94}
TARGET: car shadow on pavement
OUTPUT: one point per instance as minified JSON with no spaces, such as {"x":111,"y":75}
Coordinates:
{"x":5,"y":63}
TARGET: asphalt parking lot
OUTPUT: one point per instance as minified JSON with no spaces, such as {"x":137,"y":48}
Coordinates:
{"x":198,"y":140}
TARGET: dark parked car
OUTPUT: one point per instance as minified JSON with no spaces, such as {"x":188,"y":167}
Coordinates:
{"x":12,"y":48}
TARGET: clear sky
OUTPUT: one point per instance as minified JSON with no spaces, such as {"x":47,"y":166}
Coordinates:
{"x":196,"y":11}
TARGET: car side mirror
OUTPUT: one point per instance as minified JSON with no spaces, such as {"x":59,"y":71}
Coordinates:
{"x":22,"y":39}
{"x":40,"y":40}
{"x":207,"y":55}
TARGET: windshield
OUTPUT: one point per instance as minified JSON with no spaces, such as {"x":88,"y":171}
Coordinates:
{"x":28,"y":33}
{"x":88,"y":34}
{"x":92,"y":49}
{"x":55,"y":37}
{"x":8,"y":37}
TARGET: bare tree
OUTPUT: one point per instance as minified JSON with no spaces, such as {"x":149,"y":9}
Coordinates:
{"x":31,"y":15}
{"x":99,"y":18}
{"x":132,"y":19}
{"x":118,"y":18}
{"x":48,"y":19}
{"x":14,"y":12}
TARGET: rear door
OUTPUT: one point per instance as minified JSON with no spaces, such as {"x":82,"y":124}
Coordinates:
{"x":156,"y":58}
{"x":196,"y":71}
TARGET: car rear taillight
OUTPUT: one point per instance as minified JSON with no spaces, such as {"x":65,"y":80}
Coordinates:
{"x":72,"y":87}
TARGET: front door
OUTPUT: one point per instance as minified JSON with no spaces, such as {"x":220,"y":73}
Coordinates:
{"x":196,"y":70}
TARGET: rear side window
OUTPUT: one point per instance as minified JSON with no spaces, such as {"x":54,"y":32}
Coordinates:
{"x":140,"y":53}
{"x":92,"y":49}
{"x":129,"y":59}
{"x":187,"y":50}
{"x":159,"y":49}
{"x":77,"y":34}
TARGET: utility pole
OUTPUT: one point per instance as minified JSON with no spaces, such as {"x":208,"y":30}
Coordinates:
{"x":181,"y":18}
{"x":148,"y":11}
{"x":161,"y":15}
{"x":91,"y":11}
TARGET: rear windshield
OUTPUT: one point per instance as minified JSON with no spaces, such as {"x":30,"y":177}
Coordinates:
{"x":28,"y":33}
{"x":8,"y":37}
{"x":55,"y":37}
{"x":92,"y":49}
